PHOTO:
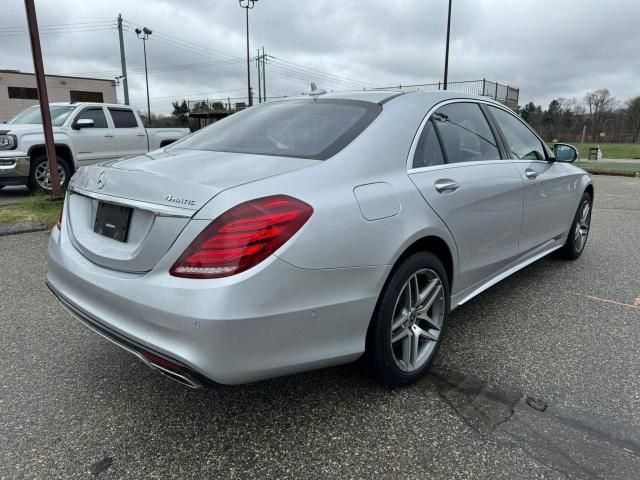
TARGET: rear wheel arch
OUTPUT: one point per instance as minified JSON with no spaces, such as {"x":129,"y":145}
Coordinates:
{"x":435,"y":245}
{"x":430,"y":243}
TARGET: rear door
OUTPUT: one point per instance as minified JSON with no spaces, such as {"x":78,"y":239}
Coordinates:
{"x":457,"y":166}
{"x":94,"y":144}
{"x":131,"y":137}
{"x":548,"y":199}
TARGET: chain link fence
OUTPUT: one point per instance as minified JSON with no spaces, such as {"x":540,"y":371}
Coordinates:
{"x":207,"y":111}
{"x":503,"y":93}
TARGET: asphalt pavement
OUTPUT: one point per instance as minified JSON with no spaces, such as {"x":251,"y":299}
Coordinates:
{"x":11,"y":194}
{"x":536,"y":378}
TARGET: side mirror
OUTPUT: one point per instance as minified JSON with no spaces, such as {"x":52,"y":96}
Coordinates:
{"x":565,"y":152}
{"x":83,"y":123}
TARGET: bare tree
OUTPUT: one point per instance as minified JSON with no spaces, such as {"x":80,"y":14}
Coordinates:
{"x":600,"y":105}
{"x":633,"y":116}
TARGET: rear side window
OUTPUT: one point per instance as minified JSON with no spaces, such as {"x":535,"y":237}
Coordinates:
{"x":465,"y":133}
{"x":523,"y":144}
{"x":428,"y":150}
{"x":95,"y":114}
{"x":123,"y":118}
{"x":295,"y":128}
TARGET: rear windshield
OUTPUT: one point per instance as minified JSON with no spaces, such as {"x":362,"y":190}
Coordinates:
{"x":295,"y":128}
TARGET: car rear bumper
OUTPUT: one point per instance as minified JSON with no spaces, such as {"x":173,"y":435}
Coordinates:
{"x":273,"y":320}
{"x":170,"y":367}
{"x":14,"y":170}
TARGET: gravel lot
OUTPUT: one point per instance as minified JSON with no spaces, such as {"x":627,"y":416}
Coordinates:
{"x":537,"y":378}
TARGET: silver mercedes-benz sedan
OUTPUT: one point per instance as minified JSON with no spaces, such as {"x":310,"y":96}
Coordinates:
{"x":310,"y":232}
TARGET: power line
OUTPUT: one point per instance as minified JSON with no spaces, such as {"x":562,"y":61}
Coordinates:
{"x":288,"y":70}
{"x":60,"y":28}
{"x":323,"y":73}
{"x":188,"y":45}
{"x":200,"y":93}
{"x":307,"y":77}
{"x":167,"y":68}
{"x":59,"y":25}
{"x":58,"y":32}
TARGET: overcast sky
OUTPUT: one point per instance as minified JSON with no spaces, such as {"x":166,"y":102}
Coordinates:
{"x":547,"y":48}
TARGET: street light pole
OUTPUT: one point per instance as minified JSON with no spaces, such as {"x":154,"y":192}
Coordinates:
{"x":247,"y":5}
{"x":446,"y":55}
{"x":144,"y":36}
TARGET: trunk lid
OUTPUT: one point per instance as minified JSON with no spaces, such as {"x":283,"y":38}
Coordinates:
{"x":163,"y":190}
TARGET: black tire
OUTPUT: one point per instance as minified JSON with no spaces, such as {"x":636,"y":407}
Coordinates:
{"x":33,"y":184}
{"x":574,"y":247}
{"x":380,"y":354}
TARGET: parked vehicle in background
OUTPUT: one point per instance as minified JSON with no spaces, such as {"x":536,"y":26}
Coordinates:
{"x":305,"y":233}
{"x":84,"y":133}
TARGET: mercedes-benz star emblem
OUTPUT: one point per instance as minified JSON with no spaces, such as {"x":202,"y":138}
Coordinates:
{"x":102,"y":179}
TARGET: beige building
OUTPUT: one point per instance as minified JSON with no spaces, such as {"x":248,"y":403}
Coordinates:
{"x":18,"y":91}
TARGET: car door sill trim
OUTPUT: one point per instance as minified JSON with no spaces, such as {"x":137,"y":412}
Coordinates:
{"x":508,"y":272}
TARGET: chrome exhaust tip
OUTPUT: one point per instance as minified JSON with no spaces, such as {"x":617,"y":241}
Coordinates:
{"x":181,"y":378}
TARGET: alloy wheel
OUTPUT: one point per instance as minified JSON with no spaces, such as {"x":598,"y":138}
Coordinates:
{"x":582,"y":226}
{"x":43,"y":175}
{"x":417,"y":320}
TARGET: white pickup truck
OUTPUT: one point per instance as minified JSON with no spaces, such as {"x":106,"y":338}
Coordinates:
{"x":84,"y":133}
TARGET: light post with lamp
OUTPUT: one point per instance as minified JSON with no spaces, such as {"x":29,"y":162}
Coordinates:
{"x":248,"y":5}
{"x":144,"y":36}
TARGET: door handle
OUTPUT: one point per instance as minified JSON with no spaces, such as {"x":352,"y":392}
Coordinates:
{"x":108,"y":135}
{"x":531,"y":174}
{"x":443,"y":186}
{"x":140,"y":134}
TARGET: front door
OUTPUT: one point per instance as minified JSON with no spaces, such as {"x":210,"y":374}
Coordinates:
{"x":459,"y":172}
{"x":548,"y":197}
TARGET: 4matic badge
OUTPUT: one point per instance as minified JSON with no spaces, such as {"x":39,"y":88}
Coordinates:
{"x":179,"y":201}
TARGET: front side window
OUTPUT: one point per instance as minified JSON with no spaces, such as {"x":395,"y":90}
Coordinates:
{"x":294,"y":128}
{"x":123,"y":118}
{"x":428,"y":151}
{"x":95,"y":114}
{"x":465,"y":133}
{"x":31,"y":116}
{"x":523,"y":144}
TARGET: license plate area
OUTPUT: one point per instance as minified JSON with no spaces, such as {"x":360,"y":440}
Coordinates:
{"x":112,"y":221}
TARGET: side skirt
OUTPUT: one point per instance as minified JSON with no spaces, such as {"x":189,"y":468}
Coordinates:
{"x":468,"y":294}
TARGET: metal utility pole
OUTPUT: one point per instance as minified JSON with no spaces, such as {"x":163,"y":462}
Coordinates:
{"x":145,"y":32}
{"x":446,"y":55}
{"x":36,"y":52}
{"x":248,"y":5}
{"x":125,"y":82}
{"x":258,"y":63}
{"x":264,"y":76}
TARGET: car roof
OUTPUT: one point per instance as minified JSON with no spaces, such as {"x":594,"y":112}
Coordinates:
{"x":88,"y":104}
{"x":383,"y":96}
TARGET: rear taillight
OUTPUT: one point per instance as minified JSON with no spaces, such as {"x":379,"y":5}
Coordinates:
{"x":242,"y":237}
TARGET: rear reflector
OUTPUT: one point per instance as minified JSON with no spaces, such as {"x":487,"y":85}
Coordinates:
{"x":153,"y":358}
{"x":242,"y":237}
